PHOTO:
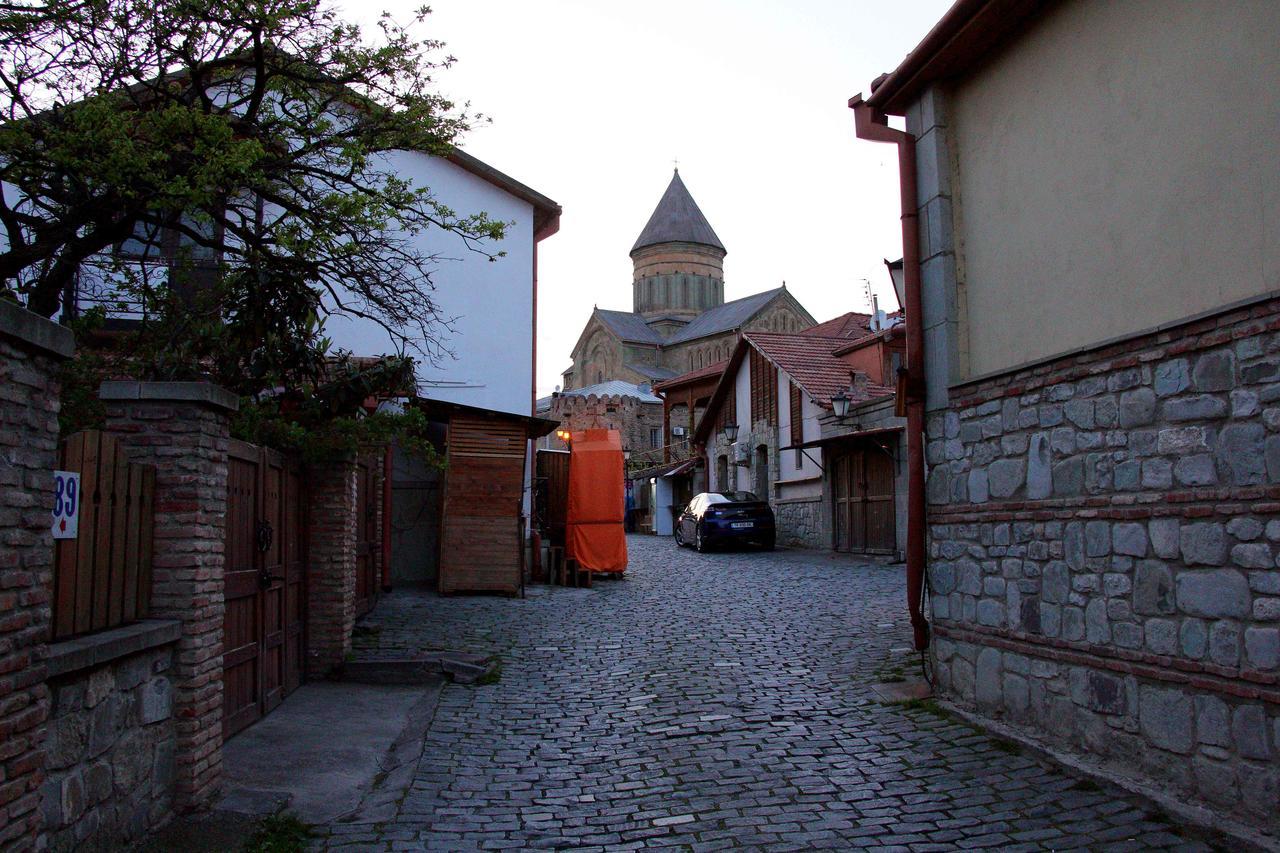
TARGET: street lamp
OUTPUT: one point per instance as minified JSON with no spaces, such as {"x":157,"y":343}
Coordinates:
{"x":840,"y":404}
{"x":730,"y":433}
{"x":563,"y":435}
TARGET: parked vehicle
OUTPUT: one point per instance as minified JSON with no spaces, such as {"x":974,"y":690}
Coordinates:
{"x":726,"y":518}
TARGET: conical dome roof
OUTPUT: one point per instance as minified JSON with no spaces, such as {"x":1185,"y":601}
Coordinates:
{"x":677,"y":219}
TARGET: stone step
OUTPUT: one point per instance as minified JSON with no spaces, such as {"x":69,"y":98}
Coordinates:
{"x":459,"y":667}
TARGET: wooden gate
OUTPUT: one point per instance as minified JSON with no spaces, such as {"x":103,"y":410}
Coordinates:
{"x":368,"y":535}
{"x":863,"y":494}
{"x":102,"y":578}
{"x":264,"y":649}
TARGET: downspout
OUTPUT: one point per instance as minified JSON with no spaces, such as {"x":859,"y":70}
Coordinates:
{"x":386,"y":519}
{"x":873,"y":126}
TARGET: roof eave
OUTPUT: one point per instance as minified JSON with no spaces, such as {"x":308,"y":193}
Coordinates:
{"x":969,"y":33}
{"x":546,"y":213}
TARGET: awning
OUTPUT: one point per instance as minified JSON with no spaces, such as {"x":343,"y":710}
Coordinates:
{"x":839,"y":439}
{"x":670,"y":469}
{"x":441,"y":409}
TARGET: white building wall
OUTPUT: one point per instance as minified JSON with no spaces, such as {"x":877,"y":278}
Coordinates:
{"x":490,"y":304}
{"x":803,"y":479}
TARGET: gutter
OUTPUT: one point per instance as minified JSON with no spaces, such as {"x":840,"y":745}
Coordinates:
{"x":872,"y":125}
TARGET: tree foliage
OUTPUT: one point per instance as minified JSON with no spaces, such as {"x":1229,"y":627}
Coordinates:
{"x":247,"y":142}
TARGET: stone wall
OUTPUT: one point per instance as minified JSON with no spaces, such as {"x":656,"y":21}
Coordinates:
{"x":1104,"y":533}
{"x":31,"y":350}
{"x":630,"y":417}
{"x":110,"y":753}
{"x":331,"y":566}
{"x":183,"y":429}
{"x":802,"y":523}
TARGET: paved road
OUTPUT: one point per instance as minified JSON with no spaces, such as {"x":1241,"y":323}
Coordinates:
{"x":710,"y":701}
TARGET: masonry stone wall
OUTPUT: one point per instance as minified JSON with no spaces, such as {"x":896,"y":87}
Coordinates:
{"x":31,"y":350}
{"x":1104,"y":541}
{"x":331,"y":566}
{"x":630,"y":417}
{"x":111,"y":749}
{"x":182,"y":428}
{"x":802,"y":523}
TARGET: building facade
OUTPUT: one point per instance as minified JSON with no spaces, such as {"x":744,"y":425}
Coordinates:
{"x":776,"y":394}
{"x":1099,"y":325}
{"x":679,"y":320}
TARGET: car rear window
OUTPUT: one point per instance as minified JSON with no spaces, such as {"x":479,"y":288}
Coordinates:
{"x":730,"y":497}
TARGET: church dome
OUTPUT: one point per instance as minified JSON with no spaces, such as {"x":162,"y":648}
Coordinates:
{"x":678,"y":259}
{"x":677,"y":219}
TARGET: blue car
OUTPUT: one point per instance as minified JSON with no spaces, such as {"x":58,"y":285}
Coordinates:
{"x":726,"y":518}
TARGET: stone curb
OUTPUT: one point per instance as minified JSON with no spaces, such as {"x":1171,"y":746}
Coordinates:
{"x":105,"y":646}
{"x":1244,"y":838}
{"x":170,"y":392}
{"x":36,"y":331}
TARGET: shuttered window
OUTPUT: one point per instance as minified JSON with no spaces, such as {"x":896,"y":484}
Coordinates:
{"x":764,"y":390}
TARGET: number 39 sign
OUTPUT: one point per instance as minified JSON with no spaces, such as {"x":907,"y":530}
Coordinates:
{"x":66,"y":504}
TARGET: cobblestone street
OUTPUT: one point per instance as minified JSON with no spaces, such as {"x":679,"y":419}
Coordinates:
{"x":710,"y":701}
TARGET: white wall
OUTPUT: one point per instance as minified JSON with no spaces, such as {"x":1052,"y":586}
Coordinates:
{"x":1116,"y":169}
{"x":492,"y":303}
{"x":787,"y":468}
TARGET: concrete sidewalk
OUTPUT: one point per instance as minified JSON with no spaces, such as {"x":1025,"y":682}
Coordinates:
{"x":332,"y":752}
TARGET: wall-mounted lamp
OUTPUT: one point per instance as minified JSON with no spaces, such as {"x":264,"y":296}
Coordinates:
{"x":840,"y":404}
{"x":730,"y":433}
{"x":564,"y":435}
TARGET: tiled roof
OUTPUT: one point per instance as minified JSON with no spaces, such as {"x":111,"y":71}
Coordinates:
{"x":807,"y":359}
{"x":726,"y":317}
{"x":615,"y":388}
{"x":628,"y":326}
{"x":693,"y":375}
{"x":677,"y":219}
{"x":848,"y":325}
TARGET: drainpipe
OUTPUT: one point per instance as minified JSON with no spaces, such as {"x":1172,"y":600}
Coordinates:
{"x":873,"y":126}
{"x":386,"y":519}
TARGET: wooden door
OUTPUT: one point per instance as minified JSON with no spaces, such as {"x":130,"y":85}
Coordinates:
{"x":863,"y":510}
{"x":877,"y":466}
{"x":263,"y":639}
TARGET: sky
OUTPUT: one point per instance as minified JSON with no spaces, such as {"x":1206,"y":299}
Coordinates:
{"x":591,"y":102}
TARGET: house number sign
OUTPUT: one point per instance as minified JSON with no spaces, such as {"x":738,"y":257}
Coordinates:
{"x":66,"y":504}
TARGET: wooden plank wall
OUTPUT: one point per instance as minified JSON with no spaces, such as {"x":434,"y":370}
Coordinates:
{"x":102,"y":578}
{"x":484,"y":483}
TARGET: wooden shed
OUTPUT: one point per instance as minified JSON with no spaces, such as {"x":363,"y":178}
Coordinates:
{"x":482,"y":514}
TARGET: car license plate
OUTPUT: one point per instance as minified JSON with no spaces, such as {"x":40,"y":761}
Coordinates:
{"x":739,"y":524}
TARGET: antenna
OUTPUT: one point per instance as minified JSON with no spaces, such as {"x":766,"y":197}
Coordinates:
{"x":866,"y":289}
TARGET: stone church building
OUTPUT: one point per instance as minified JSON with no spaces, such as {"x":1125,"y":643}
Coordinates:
{"x":679,"y":320}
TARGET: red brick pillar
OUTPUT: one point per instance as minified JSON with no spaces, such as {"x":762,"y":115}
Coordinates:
{"x":182,"y":429}
{"x":331,"y":558}
{"x":31,"y":350}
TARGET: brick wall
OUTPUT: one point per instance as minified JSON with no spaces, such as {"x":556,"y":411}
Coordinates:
{"x":331,"y":579}
{"x":31,"y":349}
{"x":1104,"y":533}
{"x":182,"y":429}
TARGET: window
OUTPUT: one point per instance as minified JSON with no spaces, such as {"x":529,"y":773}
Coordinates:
{"x":655,"y":437}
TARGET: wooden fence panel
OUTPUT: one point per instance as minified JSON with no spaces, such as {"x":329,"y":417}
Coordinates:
{"x":102,"y":578}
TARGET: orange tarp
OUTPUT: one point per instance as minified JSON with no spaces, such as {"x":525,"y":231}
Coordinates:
{"x":593,"y":523}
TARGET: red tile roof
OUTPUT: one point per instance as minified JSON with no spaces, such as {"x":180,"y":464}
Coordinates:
{"x":807,"y":359}
{"x":847,"y":325}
